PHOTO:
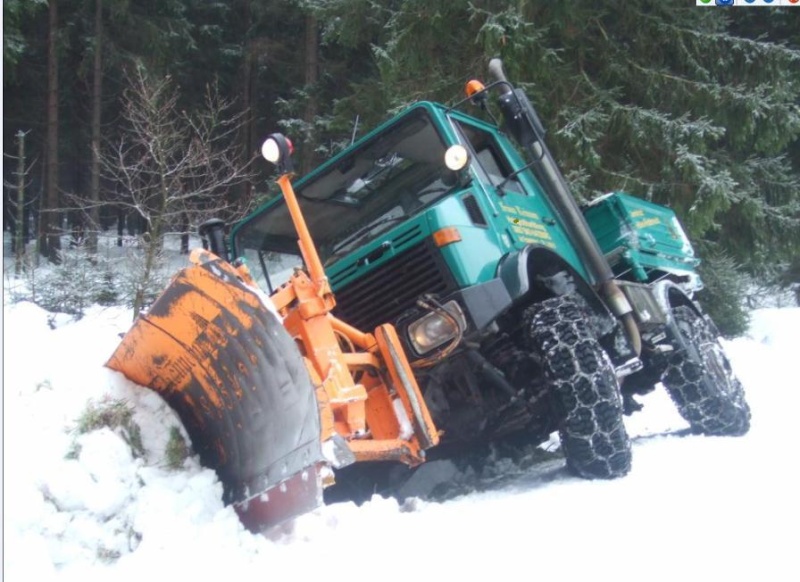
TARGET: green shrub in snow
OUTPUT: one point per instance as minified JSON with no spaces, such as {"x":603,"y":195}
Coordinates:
{"x":724,"y":293}
{"x":114,"y":414}
{"x":177,"y":450}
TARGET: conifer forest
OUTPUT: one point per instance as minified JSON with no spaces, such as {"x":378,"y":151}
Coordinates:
{"x":696,"y":108}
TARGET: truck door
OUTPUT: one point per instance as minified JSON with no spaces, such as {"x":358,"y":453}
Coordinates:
{"x":522,"y":213}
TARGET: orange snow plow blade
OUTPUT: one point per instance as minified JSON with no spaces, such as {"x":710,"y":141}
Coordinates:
{"x":227,"y":366}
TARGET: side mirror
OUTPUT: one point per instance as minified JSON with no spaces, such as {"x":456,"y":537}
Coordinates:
{"x":212,"y":233}
{"x":521,"y":118}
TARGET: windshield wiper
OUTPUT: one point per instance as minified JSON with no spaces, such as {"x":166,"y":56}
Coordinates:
{"x":359,"y":234}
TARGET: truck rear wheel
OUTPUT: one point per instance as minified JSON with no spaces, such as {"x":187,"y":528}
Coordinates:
{"x":583,"y":386}
{"x":701,"y":382}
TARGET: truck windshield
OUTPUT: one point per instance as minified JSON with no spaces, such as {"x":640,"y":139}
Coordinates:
{"x":384,"y":181}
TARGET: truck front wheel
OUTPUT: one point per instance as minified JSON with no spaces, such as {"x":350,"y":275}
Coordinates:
{"x":583,"y":386}
{"x":701,"y":382}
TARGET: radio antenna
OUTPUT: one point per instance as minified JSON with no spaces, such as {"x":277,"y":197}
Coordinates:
{"x":355,"y":130}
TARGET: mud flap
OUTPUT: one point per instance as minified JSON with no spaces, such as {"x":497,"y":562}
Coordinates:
{"x":238,"y":382}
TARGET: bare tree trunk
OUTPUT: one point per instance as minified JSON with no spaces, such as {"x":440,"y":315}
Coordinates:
{"x":49,"y":234}
{"x":153,"y":245}
{"x":311,"y":78}
{"x":120,"y":226}
{"x":184,"y":234}
{"x":248,"y":95}
{"x":97,"y":95}
{"x":19,"y":227}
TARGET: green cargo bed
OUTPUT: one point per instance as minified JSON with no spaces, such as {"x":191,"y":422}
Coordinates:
{"x":640,"y":237}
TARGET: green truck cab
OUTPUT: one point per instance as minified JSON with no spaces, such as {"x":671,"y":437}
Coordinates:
{"x":521,"y":313}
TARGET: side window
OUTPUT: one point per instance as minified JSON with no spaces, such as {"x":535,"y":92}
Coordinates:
{"x":490,"y":158}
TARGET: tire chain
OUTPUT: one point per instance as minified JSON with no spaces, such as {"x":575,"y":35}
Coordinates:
{"x":584,"y":389}
{"x":711,"y":405}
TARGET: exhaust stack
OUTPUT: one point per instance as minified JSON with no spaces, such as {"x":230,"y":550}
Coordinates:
{"x":524,"y":124}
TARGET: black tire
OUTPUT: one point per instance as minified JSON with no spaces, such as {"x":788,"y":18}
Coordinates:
{"x":701,"y":382}
{"x":584,"y":388}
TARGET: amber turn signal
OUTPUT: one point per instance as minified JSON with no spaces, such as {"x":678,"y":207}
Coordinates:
{"x":446,"y":236}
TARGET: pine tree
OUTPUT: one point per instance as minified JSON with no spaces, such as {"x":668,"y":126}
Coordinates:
{"x":684,"y":107}
{"x":14,"y":41}
{"x":694,"y":108}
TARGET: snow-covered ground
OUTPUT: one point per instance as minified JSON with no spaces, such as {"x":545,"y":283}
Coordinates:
{"x":82,"y":507}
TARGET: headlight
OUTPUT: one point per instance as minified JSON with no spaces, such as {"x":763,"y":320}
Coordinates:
{"x":434,"y":329}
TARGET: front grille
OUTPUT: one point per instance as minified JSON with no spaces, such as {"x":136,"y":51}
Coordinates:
{"x":383,"y":294}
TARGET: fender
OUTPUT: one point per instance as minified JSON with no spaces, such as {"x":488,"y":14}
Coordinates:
{"x":536,"y":272}
{"x":670,"y":295}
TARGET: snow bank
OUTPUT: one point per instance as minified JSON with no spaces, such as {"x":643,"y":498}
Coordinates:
{"x":91,"y":507}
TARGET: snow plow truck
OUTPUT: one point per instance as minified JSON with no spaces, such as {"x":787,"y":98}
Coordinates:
{"x":433,"y":285}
